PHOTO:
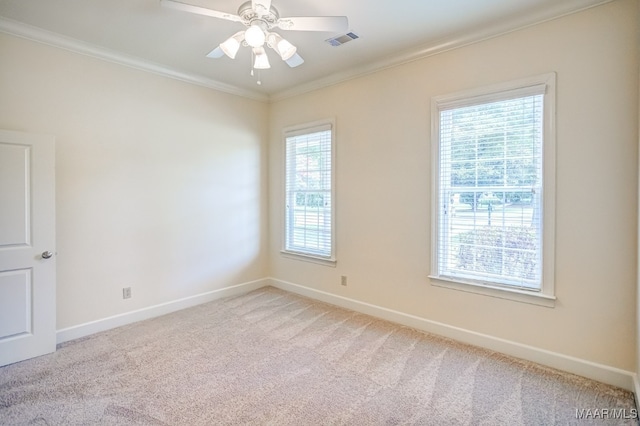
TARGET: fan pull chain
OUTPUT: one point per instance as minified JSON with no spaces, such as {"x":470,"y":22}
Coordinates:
{"x":253,"y":61}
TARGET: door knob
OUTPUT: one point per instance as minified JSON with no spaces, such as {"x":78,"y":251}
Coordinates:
{"x":46,"y":254}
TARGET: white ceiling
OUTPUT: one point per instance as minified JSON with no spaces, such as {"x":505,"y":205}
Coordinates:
{"x":142,"y":33}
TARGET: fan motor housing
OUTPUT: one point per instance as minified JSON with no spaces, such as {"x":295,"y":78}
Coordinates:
{"x":250,"y":16}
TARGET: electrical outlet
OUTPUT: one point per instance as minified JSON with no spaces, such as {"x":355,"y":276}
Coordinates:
{"x":126,"y":293}
{"x":343,"y":280}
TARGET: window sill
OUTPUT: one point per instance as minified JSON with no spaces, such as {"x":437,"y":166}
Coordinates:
{"x":523,"y":296}
{"x":309,"y":258}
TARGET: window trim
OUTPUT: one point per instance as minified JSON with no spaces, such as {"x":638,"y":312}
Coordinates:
{"x":545,"y":296}
{"x":297,"y":130}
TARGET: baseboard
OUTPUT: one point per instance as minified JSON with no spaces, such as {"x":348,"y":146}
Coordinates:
{"x":82,"y":330}
{"x":602,"y":373}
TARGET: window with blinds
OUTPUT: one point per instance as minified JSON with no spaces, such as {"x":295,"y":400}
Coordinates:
{"x":309,"y":206}
{"x":491,"y":188}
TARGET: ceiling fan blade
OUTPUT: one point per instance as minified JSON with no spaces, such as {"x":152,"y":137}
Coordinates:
{"x":258,"y":6}
{"x":216,"y":53}
{"x":337,"y":24}
{"x":185,"y":7}
{"x":295,"y":61}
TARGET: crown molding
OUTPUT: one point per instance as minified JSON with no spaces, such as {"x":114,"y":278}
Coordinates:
{"x":441,"y":46}
{"x":39,"y":35}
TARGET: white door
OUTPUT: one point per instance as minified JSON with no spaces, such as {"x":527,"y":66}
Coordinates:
{"x":27,"y":246}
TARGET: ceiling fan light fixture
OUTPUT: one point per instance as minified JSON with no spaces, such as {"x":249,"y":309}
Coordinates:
{"x":259,"y":17}
{"x":285,"y":49}
{"x":231,"y":45}
{"x":254,"y":36}
{"x":262,"y":60}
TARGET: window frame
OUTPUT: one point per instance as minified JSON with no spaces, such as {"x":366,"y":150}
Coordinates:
{"x":297,"y":130}
{"x":545,"y":296}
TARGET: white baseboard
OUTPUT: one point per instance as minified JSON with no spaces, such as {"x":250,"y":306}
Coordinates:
{"x":602,"y":373}
{"x":82,"y":330}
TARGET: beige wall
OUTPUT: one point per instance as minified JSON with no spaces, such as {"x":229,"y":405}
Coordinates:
{"x":383,"y":184}
{"x":160,"y":184}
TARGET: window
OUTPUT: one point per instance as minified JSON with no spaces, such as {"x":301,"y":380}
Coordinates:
{"x":494,"y":165}
{"x":309,"y":192}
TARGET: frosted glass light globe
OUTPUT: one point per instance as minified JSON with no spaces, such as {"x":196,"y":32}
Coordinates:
{"x":254,"y":36}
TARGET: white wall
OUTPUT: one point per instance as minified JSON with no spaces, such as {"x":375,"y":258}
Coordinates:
{"x":383,"y":184}
{"x":160,"y":184}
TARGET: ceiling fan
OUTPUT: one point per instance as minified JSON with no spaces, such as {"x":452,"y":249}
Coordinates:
{"x":260,"y":17}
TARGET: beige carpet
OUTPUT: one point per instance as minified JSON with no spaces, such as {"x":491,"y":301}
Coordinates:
{"x":271,"y":357}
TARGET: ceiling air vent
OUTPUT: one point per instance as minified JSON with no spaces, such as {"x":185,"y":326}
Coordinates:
{"x":340,"y":40}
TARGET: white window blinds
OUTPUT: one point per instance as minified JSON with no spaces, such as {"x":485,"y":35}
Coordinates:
{"x":309,"y":192}
{"x":490,"y":187}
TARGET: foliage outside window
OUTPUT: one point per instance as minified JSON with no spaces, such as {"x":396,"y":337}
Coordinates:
{"x":491,"y":187}
{"x":309,"y":207}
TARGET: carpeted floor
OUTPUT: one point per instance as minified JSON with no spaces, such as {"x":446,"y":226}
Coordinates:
{"x":272,"y":357}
